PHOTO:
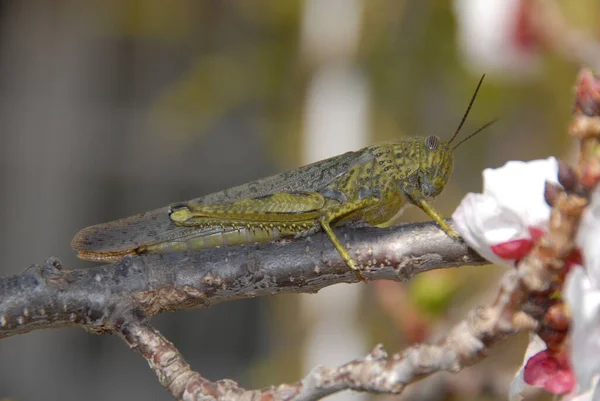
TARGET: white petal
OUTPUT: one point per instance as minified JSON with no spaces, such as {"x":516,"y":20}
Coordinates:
{"x":482,"y":223}
{"x":593,"y":394}
{"x":583,"y":300}
{"x":588,"y":238}
{"x":519,"y":186}
{"x":582,"y":293}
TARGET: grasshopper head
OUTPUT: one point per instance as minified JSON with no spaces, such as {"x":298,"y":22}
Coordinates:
{"x":435,"y":165}
{"x":436,"y":156}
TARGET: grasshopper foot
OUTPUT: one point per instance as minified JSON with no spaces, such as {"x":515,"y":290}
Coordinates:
{"x":447,"y":229}
{"x":438,"y":219}
{"x":360,"y":277}
{"x":356,"y":270}
{"x":451,"y":233}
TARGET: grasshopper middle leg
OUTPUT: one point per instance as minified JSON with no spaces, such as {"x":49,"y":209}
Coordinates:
{"x":337,"y":212}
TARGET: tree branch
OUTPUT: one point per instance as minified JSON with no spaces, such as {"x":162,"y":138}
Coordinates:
{"x":104,"y":298}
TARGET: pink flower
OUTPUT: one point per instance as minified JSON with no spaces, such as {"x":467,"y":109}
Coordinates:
{"x":549,"y":371}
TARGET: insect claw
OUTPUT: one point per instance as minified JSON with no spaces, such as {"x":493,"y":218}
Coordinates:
{"x":356,"y":270}
{"x":360,"y":276}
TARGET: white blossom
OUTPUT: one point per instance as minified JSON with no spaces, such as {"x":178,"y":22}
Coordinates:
{"x":494,"y":36}
{"x":593,"y":394}
{"x":582,"y":295}
{"x":511,"y":206}
{"x":588,"y":238}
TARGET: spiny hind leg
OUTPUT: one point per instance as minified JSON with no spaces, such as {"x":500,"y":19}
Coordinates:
{"x":331,"y":214}
{"x":427,"y":208}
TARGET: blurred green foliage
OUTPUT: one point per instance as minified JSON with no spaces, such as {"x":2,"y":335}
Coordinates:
{"x":247,"y":55}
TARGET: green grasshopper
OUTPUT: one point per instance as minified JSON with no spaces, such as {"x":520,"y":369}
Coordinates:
{"x":371,"y":185}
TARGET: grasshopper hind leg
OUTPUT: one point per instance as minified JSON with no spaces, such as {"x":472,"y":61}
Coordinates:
{"x":308,"y":209}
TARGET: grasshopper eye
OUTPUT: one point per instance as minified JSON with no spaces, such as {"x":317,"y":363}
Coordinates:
{"x":432,"y":142}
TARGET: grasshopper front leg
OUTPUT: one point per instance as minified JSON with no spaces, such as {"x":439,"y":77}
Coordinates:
{"x":427,"y":208}
{"x":336,"y":212}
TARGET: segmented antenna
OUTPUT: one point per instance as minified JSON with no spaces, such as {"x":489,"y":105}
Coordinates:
{"x":467,"y":112}
{"x":475,"y":133}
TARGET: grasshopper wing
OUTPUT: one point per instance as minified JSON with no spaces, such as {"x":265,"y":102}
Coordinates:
{"x":111,"y":241}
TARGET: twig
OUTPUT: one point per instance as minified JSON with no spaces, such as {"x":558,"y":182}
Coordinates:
{"x":466,"y":343}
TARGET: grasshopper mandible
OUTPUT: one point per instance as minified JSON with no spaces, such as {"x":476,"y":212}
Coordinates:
{"x":370,"y":185}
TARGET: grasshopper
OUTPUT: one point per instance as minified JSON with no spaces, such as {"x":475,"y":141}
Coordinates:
{"x":371,"y":185}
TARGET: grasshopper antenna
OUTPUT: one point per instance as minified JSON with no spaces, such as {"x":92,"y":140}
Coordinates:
{"x":484,"y":126}
{"x":467,"y":113}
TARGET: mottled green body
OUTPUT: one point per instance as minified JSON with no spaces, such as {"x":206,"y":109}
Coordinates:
{"x":370,"y":185}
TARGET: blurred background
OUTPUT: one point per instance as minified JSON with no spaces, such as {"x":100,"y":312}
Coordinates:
{"x":109,"y":108}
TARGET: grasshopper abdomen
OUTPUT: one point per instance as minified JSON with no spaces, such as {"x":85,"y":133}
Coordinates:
{"x":218,"y":233}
